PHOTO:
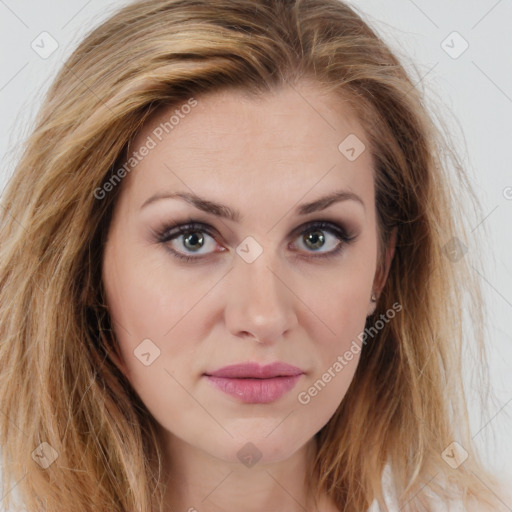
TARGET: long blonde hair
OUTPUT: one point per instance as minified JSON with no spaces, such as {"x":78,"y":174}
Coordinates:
{"x":65,"y":404}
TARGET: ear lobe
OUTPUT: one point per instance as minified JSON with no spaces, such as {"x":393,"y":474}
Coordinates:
{"x":371,"y":309}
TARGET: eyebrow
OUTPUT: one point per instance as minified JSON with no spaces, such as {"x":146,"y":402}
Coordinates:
{"x":221,"y":210}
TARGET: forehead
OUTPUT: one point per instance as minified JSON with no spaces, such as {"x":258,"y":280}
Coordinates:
{"x":286,"y":141}
{"x":288,"y":115}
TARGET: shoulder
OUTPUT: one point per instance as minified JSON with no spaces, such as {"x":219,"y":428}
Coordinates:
{"x":504,"y":499}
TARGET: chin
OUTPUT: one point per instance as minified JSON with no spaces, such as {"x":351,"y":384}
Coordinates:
{"x":256,"y":447}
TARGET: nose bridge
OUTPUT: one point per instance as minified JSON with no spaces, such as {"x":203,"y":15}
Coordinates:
{"x":261,"y":279}
{"x":260,"y":303}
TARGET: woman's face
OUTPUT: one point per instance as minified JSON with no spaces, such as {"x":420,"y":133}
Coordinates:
{"x":264,"y":283}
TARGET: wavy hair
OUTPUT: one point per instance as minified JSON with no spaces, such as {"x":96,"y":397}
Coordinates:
{"x":61,"y":393}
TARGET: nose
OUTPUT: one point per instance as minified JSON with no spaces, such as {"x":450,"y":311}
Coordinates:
{"x":260,"y":303}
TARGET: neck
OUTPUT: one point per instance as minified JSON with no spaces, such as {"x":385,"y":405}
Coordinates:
{"x":198,"y":481}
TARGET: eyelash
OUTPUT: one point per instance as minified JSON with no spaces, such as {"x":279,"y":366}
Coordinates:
{"x":170,"y":232}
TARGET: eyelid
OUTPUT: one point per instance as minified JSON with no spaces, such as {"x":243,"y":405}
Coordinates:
{"x":190,"y":224}
{"x":336,"y":228}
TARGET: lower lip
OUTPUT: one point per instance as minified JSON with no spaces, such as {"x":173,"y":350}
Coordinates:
{"x":255,"y":391}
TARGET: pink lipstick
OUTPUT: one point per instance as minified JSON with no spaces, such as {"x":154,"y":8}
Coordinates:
{"x":252,"y":383}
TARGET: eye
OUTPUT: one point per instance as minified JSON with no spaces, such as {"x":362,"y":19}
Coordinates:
{"x":313,"y":238}
{"x":193,"y":236}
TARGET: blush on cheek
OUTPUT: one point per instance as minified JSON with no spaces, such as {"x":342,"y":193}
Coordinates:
{"x":346,"y":314}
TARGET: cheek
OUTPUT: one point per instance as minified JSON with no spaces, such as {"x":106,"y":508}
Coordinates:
{"x":338,"y":340}
{"x":340,"y":304}
{"x":157,"y":316}
{"x":153,"y":332}
{"x":146,"y":296}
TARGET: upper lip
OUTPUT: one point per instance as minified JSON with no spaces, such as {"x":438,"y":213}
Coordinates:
{"x":257,"y":371}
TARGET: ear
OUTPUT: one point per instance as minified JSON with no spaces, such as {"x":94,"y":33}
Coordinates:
{"x":382,"y":273}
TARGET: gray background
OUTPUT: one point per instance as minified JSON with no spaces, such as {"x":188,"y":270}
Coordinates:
{"x":474,"y":91}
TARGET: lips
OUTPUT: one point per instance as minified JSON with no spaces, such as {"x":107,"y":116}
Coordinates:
{"x":256,"y":371}
{"x":252,"y":383}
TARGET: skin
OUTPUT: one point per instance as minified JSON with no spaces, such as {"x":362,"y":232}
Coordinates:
{"x":263,"y":157}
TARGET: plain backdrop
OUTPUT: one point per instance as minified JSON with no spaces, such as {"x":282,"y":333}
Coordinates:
{"x":462,"y":52}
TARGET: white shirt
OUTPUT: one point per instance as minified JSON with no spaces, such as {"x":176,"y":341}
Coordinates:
{"x":392,"y":502}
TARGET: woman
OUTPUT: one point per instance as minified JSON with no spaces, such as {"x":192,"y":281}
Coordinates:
{"x":299,"y":356}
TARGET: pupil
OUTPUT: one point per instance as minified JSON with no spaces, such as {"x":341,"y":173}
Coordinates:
{"x":195,"y":238}
{"x":315,"y":237}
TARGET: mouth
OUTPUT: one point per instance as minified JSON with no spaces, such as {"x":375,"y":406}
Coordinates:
{"x":253,"y":383}
{"x":252,"y":370}
{"x":255,"y":391}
